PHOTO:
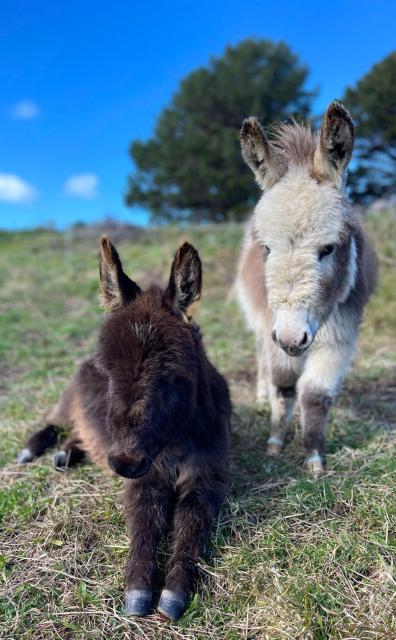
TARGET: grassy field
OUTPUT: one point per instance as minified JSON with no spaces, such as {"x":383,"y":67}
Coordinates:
{"x":291,"y":558}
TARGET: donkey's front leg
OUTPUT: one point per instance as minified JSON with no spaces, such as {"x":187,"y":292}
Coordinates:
{"x":318,"y":386}
{"x":148,"y":506}
{"x":194,"y":515}
{"x":315,"y":405}
{"x":282,"y":400}
{"x":283,"y":373}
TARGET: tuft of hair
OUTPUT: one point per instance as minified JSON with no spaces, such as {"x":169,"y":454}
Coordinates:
{"x":296,"y":143}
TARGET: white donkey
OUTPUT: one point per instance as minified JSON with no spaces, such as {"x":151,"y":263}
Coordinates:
{"x":305,"y":273}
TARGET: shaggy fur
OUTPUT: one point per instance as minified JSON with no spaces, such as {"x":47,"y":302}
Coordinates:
{"x":306,"y":271}
{"x":151,"y":407}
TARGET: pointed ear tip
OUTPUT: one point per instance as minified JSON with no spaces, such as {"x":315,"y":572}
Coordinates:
{"x":337,"y":108}
{"x":247,"y":121}
{"x":248,"y":124}
{"x":105,"y":242}
{"x":186,"y":254}
{"x":108,"y":250}
{"x":187,"y":247}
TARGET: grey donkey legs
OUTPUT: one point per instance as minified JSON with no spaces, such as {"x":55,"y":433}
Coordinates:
{"x":314,"y":407}
{"x":314,"y":382}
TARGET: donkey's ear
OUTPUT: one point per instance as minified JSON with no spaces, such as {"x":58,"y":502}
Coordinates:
{"x":185,"y":279}
{"x":336,"y":142}
{"x":116,"y":289}
{"x":256,"y":150}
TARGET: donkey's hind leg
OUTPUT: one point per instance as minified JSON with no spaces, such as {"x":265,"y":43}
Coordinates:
{"x":70,"y":454}
{"x":46,"y":438}
{"x":38,"y":443}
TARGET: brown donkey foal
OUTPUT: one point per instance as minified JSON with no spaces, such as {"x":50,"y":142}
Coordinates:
{"x":151,"y":406}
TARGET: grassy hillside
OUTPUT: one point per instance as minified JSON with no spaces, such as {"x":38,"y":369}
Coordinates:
{"x":291,"y":558}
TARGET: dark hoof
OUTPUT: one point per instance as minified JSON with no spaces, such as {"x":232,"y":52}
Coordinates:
{"x":138,"y":602}
{"x":171,"y":604}
{"x":25,"y":456}
{"x":60,"y":459}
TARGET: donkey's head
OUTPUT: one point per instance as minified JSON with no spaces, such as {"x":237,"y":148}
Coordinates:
{"x":148,"y":349}
{"x":302,"y":222}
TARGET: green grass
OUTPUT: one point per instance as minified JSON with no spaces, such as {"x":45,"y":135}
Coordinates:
{"x":290,"y":558}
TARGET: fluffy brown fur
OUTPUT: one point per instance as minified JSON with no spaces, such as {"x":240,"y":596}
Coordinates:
{"x":151,"y":407}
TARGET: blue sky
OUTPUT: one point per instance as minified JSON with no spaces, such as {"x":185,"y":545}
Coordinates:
{"x":80,"y":80}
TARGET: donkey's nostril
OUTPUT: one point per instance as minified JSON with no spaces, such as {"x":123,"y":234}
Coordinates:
{"x":273,"y":335}
{"x":304,"y":339}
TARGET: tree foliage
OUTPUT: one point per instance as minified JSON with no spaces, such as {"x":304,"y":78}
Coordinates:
{"x":191,"y":169}
{"x":373,"y":106}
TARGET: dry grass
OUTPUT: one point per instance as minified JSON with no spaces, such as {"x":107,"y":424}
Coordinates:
{"x":290,"y":558}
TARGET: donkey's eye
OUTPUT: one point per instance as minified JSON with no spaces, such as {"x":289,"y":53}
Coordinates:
{"x":326,"y":251}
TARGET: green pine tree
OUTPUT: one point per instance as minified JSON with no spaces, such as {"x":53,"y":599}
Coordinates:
{"x":191,"y":169}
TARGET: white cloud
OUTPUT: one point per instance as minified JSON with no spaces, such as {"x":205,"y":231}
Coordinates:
{"x":25,"y":110}
{"x":14,"y":189}
{"x":82,"y":185}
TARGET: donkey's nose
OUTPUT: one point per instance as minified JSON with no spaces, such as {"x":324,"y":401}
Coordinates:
{"x":294,"y":344}
{"x":129,"y":467}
